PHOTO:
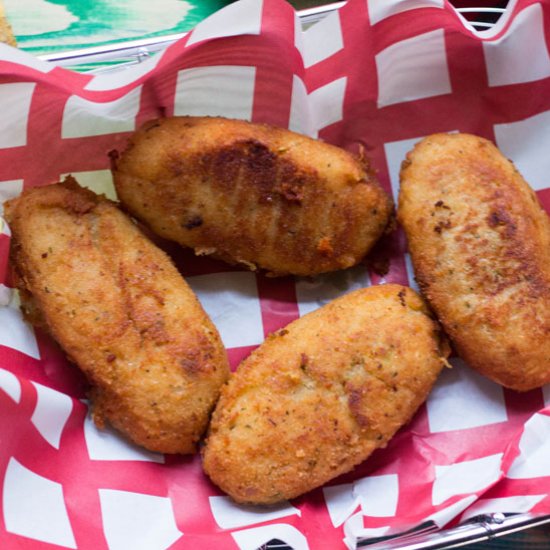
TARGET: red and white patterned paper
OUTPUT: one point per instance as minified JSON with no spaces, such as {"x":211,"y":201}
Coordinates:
{"x":379,"y":74}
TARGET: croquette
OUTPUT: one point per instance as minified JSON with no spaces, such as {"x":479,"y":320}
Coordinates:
{"x":121,"y":311}
{"x":251,"y":194}
{"x":319,"y":396}
{"x":480,"y":246}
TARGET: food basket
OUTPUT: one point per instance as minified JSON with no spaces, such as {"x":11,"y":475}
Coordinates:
{"x":365,"y":74}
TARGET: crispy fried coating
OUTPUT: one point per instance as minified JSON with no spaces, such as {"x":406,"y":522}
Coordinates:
{"x":480,"y":246}
{"x":6,"y":32}
{"x":318,"y":397}
{"x":252,"y":194}
{"x":121,"y":311}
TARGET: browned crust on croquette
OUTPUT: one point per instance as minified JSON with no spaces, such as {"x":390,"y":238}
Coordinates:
{"x":480,"y":245}
{"x":252,"y":194}
{"x":121,"y":311}
{"x":318,"y":397}
{"x":6,"y":32}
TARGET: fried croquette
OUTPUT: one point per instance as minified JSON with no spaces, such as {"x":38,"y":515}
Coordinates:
{"x":121,"y":311}
{"x":480,"y":245}
{"x":318,"y":397}
{"x":252,"y":194}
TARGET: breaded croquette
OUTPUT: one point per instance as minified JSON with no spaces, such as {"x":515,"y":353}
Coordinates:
{"x":318,"y":397}
{"x":480,"y":245}
{"x":121,"y":311}
{"x":252,"y":194}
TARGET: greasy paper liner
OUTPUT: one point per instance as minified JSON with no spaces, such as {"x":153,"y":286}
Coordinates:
{"x":376,"y":75}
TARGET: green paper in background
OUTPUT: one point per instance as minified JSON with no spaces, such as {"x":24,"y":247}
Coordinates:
{"x":44,"y":27}
{"x":51,"y":26}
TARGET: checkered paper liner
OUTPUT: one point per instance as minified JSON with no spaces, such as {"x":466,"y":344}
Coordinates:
{"x":377,"y":74}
